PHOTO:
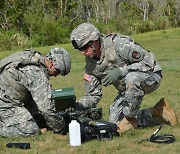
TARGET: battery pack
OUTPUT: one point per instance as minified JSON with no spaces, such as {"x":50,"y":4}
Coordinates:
{"x":64,"y":98}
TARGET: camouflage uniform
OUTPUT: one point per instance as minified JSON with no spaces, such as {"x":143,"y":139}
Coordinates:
{"x":23,"y":77}
{"x":141,"y":75}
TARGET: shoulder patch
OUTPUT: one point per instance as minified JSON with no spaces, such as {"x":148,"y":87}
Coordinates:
{"x":136,"y":55}
{"x":87,"y":77}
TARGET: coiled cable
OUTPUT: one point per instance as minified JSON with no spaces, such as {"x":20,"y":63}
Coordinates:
{"x":162,"y":139}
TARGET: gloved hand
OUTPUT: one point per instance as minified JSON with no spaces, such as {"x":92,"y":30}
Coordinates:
{"x":70,"y":109}
{"x":112,"y":76}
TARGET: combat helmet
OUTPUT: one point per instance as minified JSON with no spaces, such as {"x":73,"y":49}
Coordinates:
{"x":83,"y":34}
{"x":61,"y":60}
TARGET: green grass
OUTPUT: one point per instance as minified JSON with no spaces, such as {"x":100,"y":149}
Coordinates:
{"x":165,"y":45}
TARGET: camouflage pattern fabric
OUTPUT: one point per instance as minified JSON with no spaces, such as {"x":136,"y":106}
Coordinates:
{"x":61,"y":60}
{"x":86,"y":32}
{"x":17,"y":85}
{"x":141,"y":75}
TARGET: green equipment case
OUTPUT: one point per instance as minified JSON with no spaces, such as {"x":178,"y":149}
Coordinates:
{"x":64,"y":98}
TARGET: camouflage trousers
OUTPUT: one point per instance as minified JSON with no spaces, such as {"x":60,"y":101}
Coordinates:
{"x":128,"y":102}
{"x":17,"y":121}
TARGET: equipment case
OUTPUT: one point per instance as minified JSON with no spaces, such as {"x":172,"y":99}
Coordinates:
{"x":64,"y":98}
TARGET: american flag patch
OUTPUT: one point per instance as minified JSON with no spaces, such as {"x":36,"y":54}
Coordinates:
{"x":87,"y":77}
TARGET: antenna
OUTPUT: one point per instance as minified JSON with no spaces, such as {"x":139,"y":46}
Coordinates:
{"x":30,"y":38}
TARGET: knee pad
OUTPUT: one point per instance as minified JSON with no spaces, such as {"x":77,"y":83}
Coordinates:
{"x":144,"y":118}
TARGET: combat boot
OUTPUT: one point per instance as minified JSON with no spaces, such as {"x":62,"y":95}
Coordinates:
{"x":126,"y":124}
{"x":162,"y":110}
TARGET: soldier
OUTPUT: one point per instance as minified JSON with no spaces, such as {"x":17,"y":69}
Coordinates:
{"x":119,"y":60}
{"x":24,"y":76}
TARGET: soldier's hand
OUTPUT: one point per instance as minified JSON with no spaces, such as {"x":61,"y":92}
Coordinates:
{"x":70,"y":109}
{"x":112,"y":76}
{"x":43,"y":130}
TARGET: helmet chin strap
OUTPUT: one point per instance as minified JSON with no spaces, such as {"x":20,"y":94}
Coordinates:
{"x":52,"y":72}
{"x":94,"y":52}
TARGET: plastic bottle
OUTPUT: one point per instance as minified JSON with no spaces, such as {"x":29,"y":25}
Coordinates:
{"x":74,"y":133}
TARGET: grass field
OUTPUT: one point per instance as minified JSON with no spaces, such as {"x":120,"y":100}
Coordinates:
{"x":165,"y":45}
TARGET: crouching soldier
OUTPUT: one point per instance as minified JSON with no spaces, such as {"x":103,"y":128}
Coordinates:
{"x":24,"y":76}
{"x":118,"y":60}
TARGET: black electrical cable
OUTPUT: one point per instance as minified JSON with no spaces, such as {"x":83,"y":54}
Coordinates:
{"x":162,"y":139}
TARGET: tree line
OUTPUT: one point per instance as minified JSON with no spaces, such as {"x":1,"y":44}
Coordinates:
{"x":26,"y":23}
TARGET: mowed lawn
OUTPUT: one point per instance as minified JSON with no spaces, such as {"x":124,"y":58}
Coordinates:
{"x":165,"y":44}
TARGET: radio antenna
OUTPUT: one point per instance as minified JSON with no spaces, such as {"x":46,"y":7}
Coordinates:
{"x":30,"y":38}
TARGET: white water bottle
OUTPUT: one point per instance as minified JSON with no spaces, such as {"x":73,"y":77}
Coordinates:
{"x":74,"y":133}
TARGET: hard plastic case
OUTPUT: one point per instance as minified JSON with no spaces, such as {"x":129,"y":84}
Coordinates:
{"x":64,"y":98}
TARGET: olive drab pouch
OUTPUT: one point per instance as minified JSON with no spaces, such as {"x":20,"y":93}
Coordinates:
{"x":64,"y":98}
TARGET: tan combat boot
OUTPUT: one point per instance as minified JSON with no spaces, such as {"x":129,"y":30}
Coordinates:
{"x":162,"y":110}
{"x":126,"y":124}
